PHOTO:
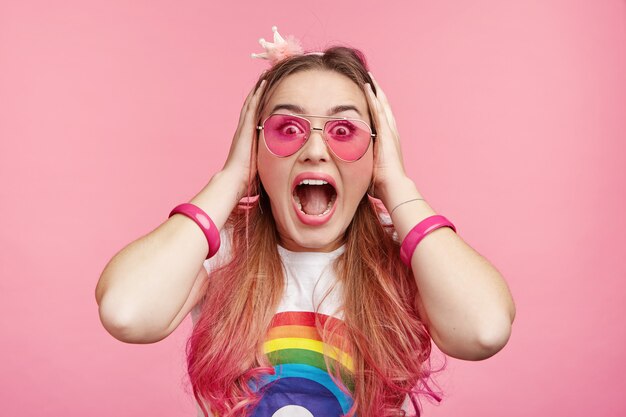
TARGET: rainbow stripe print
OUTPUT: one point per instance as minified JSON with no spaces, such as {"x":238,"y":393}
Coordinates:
{"x":301,"y":385}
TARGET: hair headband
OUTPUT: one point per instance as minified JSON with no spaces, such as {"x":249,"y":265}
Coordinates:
{"x":281,"y":48}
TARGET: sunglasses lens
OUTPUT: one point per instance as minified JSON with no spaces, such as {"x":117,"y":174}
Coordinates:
{"x":285,"y":134}
{"x":349,"y":139}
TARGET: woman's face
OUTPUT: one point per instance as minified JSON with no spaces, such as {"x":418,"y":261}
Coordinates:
{"x":312,"y":217}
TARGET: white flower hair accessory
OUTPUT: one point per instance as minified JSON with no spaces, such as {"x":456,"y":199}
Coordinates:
{"x":280,"y":49}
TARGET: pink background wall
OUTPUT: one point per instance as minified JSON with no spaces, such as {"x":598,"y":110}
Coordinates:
{"x":512,"y":117}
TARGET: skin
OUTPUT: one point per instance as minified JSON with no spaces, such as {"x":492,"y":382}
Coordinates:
{"x":463,"y":300}
{"x":315,"y":92}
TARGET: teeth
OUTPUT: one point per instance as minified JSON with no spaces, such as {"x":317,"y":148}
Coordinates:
{"x":328,"y":207}
{"x":297,"y":199}
{"x":313,"y":182}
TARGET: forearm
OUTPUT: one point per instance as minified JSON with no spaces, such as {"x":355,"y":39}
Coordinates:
{"x":145,"y":285}
{"x":467,"y":304}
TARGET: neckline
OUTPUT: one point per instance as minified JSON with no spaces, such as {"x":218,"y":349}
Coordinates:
{"x":310,"y":256}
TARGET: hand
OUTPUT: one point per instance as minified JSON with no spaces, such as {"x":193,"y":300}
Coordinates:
{"x":240,"y":161}
{"x":388,"y":162}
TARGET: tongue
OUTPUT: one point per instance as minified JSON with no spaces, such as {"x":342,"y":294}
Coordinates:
{"x":313,"y":198}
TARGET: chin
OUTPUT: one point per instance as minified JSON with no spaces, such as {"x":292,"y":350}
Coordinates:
{"x":307,"y":236}
{"x":319,"y":240}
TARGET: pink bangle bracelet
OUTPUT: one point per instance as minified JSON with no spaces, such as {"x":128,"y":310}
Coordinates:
{"x":196,"y":214}
{"x":418,"y":233}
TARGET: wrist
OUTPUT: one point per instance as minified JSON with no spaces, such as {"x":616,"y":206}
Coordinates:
{"x":237,"y":181}
{"x":399,"y":190}
{"x":219,"y":197}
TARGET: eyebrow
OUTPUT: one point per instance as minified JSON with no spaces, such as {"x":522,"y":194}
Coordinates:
{"x":299,"y":110}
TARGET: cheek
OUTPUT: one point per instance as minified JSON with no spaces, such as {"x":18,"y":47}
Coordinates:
{"x":270,"y":172}
{"x":363,"y":169}
{"x":358,"y":176}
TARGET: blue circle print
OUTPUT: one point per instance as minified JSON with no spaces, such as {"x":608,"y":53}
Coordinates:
{"x":308,"y":394}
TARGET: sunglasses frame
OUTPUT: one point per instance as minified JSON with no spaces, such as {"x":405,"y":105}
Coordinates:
{"x":321,"y":130}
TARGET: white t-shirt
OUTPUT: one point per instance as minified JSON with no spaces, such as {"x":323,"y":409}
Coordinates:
{"x":301,"y":385}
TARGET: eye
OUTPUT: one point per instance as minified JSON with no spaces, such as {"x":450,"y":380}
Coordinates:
{"x":288,"y":127}
{"x":291,"y":129}
{"x":342,"y":129}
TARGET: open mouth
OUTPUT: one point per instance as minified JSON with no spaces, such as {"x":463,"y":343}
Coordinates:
{"x":314,"y":197}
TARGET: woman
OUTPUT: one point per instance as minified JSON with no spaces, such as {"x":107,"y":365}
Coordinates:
{"x":310,"y":309}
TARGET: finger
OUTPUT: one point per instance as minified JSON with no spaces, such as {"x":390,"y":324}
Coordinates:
{"x":257,"y":93}
{"x":372,"y":106}
{"x":379,"y":91}
{"x":244,"y":115}
{"x":384,"y":101}
{"x":380,"y":118}
{"x":382,"y":122}
{"x":377,"y":99}
{"x":253,"y":104}
{"x":244,"y":108}
{"x":246,"y":105}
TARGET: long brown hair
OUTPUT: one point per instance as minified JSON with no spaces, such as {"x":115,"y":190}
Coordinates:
{"x":382,"y":330}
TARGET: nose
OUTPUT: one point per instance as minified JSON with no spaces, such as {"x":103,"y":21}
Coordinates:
{"x":315,"y":148}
